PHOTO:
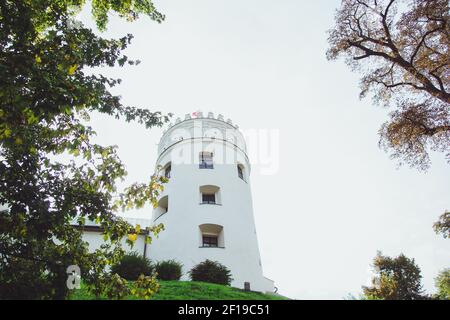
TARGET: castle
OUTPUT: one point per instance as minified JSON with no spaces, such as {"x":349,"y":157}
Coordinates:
{"x":206,"y":207}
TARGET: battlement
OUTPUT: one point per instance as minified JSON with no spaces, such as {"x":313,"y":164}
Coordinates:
{"x":200,"y":115}
{"x":199,"y":125}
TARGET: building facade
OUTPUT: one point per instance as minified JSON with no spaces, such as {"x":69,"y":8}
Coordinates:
{"x":206,"y":206}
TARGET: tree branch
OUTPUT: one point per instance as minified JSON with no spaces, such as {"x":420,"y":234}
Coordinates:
{"x":411,"y":60}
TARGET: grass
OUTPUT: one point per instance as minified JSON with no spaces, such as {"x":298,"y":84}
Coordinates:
{"x":189,"y":290}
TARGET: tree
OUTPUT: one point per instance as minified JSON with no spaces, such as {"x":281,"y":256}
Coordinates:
{"x":51,"y":173}
{"x":443,"y":285}
{"x":401,"y":49}
{"x":395,"y":279}
{"x":442,"y":226}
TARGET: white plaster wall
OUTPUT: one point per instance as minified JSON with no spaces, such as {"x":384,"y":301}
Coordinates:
{"x":95,"y":240}
{"x":180,"y":239}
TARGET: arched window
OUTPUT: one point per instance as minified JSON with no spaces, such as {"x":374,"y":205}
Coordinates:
{"x":163,"y":207}
{"x":210,"y":195}
{"x":211,"y":236}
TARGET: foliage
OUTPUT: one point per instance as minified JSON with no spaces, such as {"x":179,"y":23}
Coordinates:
{"x":396,"y":278}
{"x":442,"y":226}
{"x":145,"y":287}
{"x":443,"y":285}
{"x":187,"y":290}
{"x":51,"y":173}
{"x":401,"y":49}
{"x":211,"y":271}
{"x":116,"y":287}
{"x":168,"y":270}
{"x":132,"y":265}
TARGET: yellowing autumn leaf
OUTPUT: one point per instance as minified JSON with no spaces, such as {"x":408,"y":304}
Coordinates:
{"x":72,"y":69}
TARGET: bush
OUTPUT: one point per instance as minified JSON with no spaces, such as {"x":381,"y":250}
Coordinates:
{"x":168,"y":270}
{"x":211,"y":271}
{"x":132,"y":266}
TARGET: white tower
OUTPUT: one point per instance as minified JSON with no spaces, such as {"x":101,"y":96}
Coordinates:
{"x":206,"y":206}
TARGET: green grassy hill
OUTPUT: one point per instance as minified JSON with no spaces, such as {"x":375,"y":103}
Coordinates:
{"x":190,"y":290}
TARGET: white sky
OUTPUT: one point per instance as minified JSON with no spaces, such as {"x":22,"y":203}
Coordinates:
{"x":336,"y":198}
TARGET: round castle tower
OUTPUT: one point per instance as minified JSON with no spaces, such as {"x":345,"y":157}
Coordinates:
{"x":206,"y":206}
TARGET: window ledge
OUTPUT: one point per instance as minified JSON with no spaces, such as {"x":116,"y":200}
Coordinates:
{"x":213,"y":204}
{"x":211,"y":247}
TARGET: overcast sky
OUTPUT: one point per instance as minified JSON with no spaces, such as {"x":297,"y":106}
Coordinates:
{"x":336,"y":198}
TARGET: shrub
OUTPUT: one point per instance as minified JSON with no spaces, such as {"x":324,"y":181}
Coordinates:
{"x":211,"y":271}
{"x":168,"y":270}
{"x":132,"y":266}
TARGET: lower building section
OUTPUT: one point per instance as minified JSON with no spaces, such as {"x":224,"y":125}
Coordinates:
{"x":236,"y":249}
{"x":244,"y":272}
{"x":238,"y":252}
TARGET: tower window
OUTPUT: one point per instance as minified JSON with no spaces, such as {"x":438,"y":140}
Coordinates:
{"x":240,"y":171}
{"x":210,"y":195}
{"x":210,"y":241}
{"x":162,"y":208}
{"x":206,"y":160}
{"x":167,"y":171}
{"x":211,"y":236}
{"x":209,"y":198}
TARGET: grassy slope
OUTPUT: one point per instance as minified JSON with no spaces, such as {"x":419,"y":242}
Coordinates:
{"x":190,"y":290}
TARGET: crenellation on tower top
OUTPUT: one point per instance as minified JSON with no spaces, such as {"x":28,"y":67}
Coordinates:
{"x":200,"y":115}
{"x":198,"y":124}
